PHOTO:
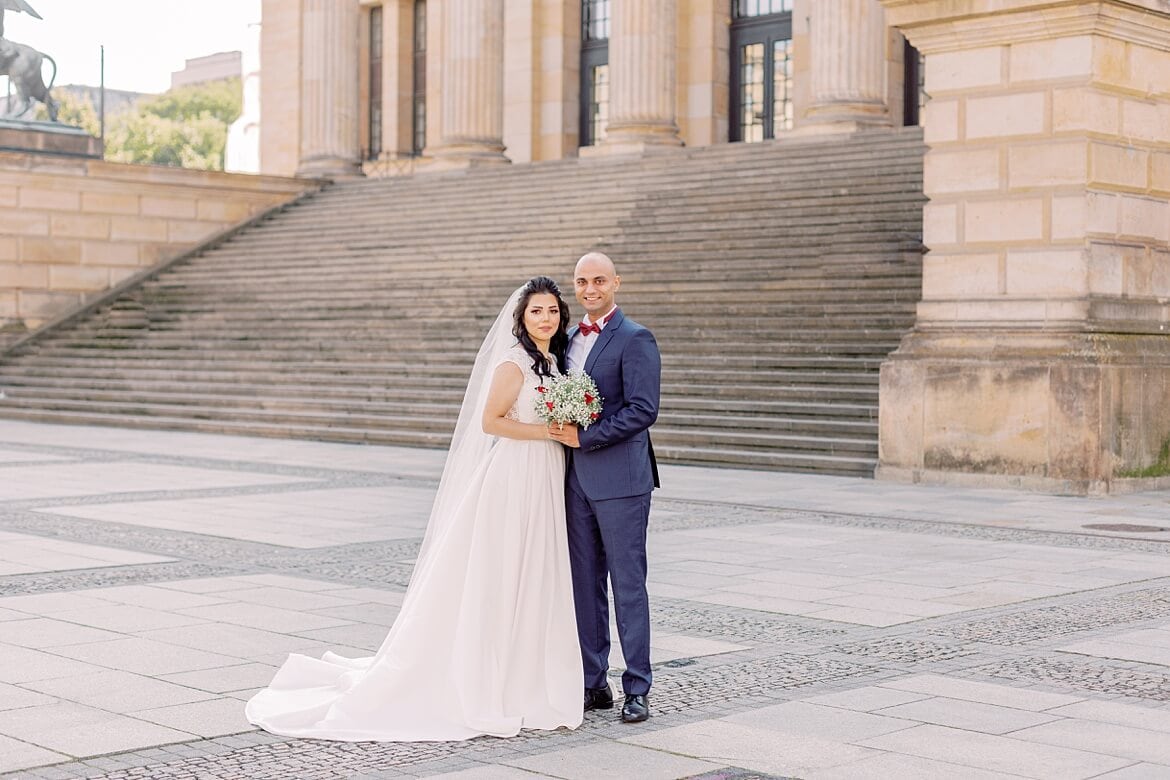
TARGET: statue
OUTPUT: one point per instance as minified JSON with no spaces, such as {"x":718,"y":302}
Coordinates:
{"x":15,"y":5}
{"x":23,"y":65}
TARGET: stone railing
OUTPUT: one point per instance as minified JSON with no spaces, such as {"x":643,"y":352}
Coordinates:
{"x":72,"y":228}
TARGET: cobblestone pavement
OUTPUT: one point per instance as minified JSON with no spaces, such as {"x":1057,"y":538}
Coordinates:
{"x":804,"y":626}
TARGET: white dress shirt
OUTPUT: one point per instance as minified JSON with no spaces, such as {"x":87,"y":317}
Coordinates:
{"x":580,"y":346}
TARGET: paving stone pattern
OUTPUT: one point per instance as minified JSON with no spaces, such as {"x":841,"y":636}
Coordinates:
{"x":907,"y":617}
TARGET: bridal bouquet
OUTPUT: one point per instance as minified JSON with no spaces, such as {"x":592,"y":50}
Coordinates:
{"x":570,"y":398}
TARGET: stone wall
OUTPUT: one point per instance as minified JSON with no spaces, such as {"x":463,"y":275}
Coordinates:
{"x":1040,"y":356}
{"x":70,"y":228}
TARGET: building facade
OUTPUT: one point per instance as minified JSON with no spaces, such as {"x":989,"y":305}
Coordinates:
{"x":212,"y":67}
{"x":1041,"y":351}
{"x":390,"y":86}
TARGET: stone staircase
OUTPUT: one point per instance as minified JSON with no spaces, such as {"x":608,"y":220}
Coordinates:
{"x":775,"y":276}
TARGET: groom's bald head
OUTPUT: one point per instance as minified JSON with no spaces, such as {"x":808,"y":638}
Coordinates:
{"x":595,"y":281}
{"x":595,"y":260}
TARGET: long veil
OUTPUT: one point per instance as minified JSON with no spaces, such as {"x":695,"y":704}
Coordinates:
{"x":438,"y":675}
{"x":469,"y":444}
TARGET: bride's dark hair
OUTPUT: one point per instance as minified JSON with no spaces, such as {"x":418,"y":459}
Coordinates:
{"x":559,"y":344}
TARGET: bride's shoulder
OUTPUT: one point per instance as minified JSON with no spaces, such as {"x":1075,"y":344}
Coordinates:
{"x":515,"y":354}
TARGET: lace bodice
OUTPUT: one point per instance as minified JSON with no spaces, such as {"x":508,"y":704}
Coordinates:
{"x":524,"y":409}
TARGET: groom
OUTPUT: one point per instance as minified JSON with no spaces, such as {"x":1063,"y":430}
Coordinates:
{"x":608,"y":483}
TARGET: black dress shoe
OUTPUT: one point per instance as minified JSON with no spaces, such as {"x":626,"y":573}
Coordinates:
{"x":636,"y":709}
{"x":598,"y":699}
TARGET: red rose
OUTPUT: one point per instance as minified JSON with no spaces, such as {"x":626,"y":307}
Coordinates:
{"x":588,"y":398}
{"x":542,"y":389}
{"x":593,"y":415}
{"x":549,"y":404}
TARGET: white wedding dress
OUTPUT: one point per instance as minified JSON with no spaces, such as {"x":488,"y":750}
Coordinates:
{"x":486,"y":640}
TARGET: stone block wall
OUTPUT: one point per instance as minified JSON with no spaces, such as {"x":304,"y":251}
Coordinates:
{"x":1041,"y":353}
{"x":71,"y":228}
{"x":1049,"y":178}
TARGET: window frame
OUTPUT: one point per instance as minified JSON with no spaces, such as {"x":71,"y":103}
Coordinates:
{"x":747,"y":30}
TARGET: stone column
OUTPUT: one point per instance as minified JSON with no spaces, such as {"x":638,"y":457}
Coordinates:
{"x":472,"y":113}
{"x":329,"y":88}
{"x":1040,"y":356}
{"x":847,"y":49}
{"x":642,"y":72}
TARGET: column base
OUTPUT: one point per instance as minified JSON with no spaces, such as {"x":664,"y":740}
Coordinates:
{"x":842,"y":126}
{"x":628,"y":149}
{"x":329,"y":168}
{"x":636,"y":139}
{"x":843,"y":117}
{"x":1075,"y":413}
{"x":1051,"y":486}
{"x":467,"y":155}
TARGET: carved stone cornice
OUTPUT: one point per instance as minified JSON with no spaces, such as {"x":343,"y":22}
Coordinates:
{"x":949,"y":25}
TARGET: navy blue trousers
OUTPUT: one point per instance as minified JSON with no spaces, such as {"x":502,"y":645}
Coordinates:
{"x":608,"y":538}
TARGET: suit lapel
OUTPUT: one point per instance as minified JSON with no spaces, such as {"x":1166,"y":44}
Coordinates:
{"x":607,"y":334}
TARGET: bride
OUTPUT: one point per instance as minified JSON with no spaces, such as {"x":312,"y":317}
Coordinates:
{"x":486,"y":640}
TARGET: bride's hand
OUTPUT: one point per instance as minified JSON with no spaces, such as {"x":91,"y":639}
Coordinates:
{"x":565,"y":433}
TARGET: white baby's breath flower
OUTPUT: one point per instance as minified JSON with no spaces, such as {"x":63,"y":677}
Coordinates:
{"x":570,"y":398}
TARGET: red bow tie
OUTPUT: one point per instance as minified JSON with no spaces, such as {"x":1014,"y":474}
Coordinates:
{"x":586,"y":328}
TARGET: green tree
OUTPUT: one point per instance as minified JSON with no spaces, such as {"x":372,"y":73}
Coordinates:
{"x":220,"y":99}
{"x":73,"y":110}
{"x":185,"y":127}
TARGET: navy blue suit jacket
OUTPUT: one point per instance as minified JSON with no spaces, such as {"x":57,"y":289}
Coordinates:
{"x":615,"y":459}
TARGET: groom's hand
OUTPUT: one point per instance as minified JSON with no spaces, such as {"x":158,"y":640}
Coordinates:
{"x":565,"y":433}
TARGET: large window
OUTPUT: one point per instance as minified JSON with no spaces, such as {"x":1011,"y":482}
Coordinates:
{"x":419,"y":92}
{"x":375,"y":128}
{"x":761,"y":69}
{"x":594,"y":71}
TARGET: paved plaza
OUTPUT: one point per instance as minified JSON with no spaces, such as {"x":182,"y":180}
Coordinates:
{"x":804,"y":626}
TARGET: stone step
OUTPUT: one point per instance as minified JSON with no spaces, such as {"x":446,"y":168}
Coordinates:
{"x":412,"y":262}
{"x":648,"y":178}
{"x":798,"y":279}
{"x":681,"y":412}
{"x":779,"y":460}
{"x":343,"y":399}
{"x":855,"y":200}
{"x":775,"y":276}
{"x":447,"y":375}
{"x":384,"y":436}
{"x":616,"y":177}
{"x":526,"y":238}
{"x":232,"y":352}
{"x":201,"y":326}
{"x":819,"y":410}
{"x":56,"y":358}
{"x":346,"y":299}
{"x":428,"y":363}
{"x":372,"y":384}
{"x":375,"y":409}
{"x":457,"y":360}
{"x":423,"y":387}
{"x":839,"y":427}
{"x":415,"y":427}
{"x":750,"y":440}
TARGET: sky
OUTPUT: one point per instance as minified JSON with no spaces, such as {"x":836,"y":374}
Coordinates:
{"x":145,"y":40}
